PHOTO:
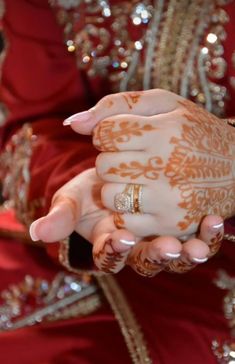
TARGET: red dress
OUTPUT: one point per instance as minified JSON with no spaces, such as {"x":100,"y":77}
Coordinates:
{"x":43,"y":83}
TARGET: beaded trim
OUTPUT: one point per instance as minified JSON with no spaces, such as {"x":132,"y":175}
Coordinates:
{"x":129,"y":326}
{"x":35,"y":300}
{"x":15,"y":174}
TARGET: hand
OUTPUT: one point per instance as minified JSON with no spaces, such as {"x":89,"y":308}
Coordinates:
{"x":77,"y":207}
{"x":180,"y":153}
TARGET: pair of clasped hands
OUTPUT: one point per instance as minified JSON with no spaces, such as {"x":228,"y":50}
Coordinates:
{"x":172,"y":148}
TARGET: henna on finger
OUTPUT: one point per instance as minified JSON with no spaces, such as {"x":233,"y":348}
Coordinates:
{"x":150,"y":256}
{"x":132,"y":98}
{"x":145,"y":266}
{"x":136,"y":169}
{"x":181,"y":265}
{"x":215,"y":243}
{"x":110,"y":134}
{"x":110,"y":257}
{"x":194,"y":252}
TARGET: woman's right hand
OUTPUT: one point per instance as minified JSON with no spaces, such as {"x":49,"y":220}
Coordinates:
{"x":77,"y":207}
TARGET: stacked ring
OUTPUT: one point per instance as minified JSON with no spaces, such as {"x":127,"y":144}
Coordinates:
{"x":130,"y":200}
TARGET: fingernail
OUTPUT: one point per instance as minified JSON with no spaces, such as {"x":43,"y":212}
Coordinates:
{"x":199,"y":260}
{"x":127,"y":242}
{"x":32,"y":232}
{"x":218,"y":226}
{"x":173,"y":255}
{"x":81,"y":117}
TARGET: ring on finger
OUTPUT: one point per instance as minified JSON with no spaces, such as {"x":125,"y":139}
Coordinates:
{"x":130,"y":200}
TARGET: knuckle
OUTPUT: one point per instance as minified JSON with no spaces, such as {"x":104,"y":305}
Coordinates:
{"x":106,"y":101}
{"x":102,"y":164}
{"x":99,"y":165}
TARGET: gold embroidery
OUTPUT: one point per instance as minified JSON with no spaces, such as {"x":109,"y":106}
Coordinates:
{"x":179,"y":45}
{"x":135,"y":169}
{"x":129,"y":326}
{"x":15,"y":174}
{"x":64,"y":260}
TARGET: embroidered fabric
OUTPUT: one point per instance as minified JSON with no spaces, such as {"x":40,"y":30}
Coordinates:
{"x":127,"y":44}
{"x":36,"y":300}
{"x":225,"y":351}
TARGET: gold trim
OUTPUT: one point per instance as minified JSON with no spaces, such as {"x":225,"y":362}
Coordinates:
{"x":64,"y":260}
{"x":129,"y":326}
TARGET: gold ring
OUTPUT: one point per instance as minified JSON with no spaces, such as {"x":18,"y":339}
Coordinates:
{"x":130,"y":200}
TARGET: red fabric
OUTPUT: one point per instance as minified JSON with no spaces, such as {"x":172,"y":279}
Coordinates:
{"x":180,"y":315}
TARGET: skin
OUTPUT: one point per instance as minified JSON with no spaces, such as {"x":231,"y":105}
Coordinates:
{"x":130,"y":154}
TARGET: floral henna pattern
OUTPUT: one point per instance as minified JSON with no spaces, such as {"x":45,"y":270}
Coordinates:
{"x":145,"y":266}
{"x":203,"y":153}
{"x":215,"y":244}
{"x":179,"y":266}
{"x":132,"y":98}
{"x":108,"y":260}
{"x":135,"y":169}
{"x":108,"y":134}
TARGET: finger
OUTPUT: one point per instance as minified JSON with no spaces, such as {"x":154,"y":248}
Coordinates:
{"x":129,"y":132}
{"x":111,"y":246}
{"x":148,"y":224}
{"x":59,"y":223}
{"x":150,"y":200}
{"x":194,"y":252}
{"x":211,"y":232}
{"x":128,"y":167}
{"x":150,"y":258}
{"x":146,"y":103}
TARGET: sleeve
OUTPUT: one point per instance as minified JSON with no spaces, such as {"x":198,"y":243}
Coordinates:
{"x":40,"y":87}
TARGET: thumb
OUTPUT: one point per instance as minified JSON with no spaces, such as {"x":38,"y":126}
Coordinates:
{"x":59,"y":223}
{"x":137,"y":103}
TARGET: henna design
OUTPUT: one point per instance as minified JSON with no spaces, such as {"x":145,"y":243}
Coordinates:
{"x":106,"y":138}
{"x":215,"y":244}
{"x":204,"y":152}
{"x":146,"y":266}
{"x":135,"y":169}
{"x":118,"y":220}
{"x":108,"y":261}
{"x":132,"y":98}
{"x":179,"y":266}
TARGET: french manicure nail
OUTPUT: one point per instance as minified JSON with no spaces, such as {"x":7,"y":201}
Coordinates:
{"x":81,"y":117}
{"x":199,"y":260}
{"x":32,"y":232}
{"x":173,"y":255}
{"x":218,"y":226}
{"x":127,"y":242}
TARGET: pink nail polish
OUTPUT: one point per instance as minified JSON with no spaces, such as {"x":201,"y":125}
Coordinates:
{"x":32,"y":232}
{"x":81,"y":117}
